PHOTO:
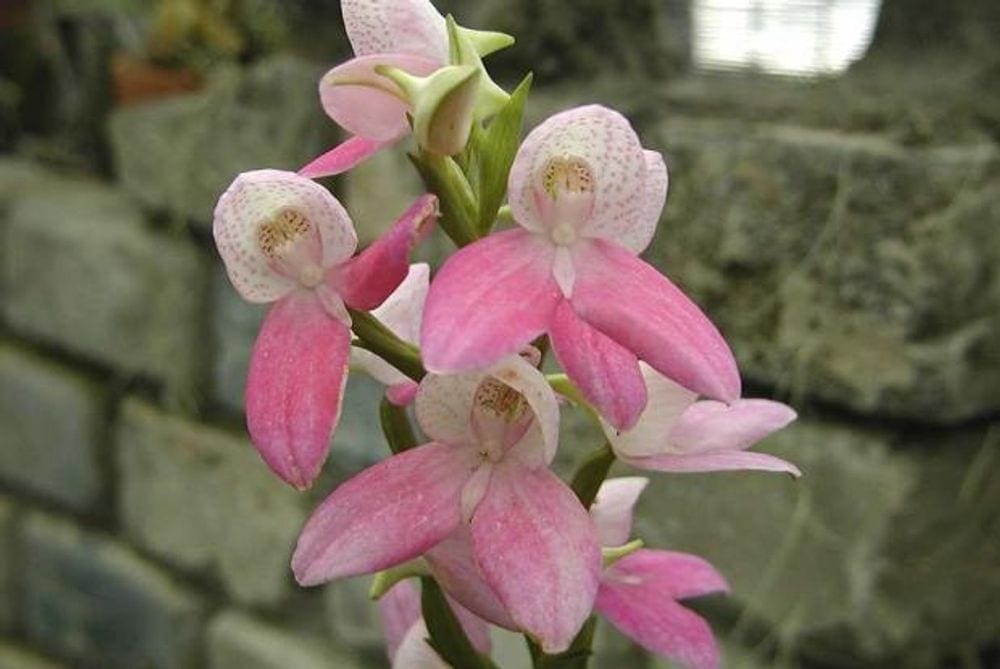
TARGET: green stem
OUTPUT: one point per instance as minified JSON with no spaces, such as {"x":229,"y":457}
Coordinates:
{"x":575,"y":657}
{"x":591,"y":474}
{"x":447,"y":637}
{"x":383,"y":342}
{"x":396,"y":426}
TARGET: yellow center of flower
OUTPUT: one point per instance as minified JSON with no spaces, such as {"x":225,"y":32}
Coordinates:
{"x":567,"y":175}
{"x":276,"y":234}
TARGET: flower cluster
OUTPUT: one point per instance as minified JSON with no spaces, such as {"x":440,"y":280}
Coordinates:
{"x":475,"y":510}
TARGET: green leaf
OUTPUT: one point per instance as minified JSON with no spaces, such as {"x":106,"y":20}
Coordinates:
{"x":496,"y":147}
{"x":591,"y":474}
{"x":380,"y":340}
{"x":396,"y":426}
{"x":447,"y":637}
{"x":574,"y":657}
{"x":443,"y":177}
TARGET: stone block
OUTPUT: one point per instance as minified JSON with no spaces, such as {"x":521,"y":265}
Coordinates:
{"x":90,"y":598}
{"x":239,"y":641}
{"x":867,"y":559}
{"x":178,"y":155}
{"x":841,"y":267}
{"x":12,"y":657}
{"x":82,"y":271}
{"x":202,"y":499}
{"x":52,"y":419}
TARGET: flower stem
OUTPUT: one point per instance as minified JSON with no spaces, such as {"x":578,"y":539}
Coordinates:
{"x":396,"y":427}
{"x":591,"y":474}
{"x":383,"y":342}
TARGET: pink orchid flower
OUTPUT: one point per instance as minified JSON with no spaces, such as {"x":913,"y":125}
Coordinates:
{"x":639,"y":592}
{"x":401,"y":313}
{"x":676,"y":433}
{"x":587,"y":198}
{"x":406,"y":633}
{"x":493,"y":434}
{"x":287,"y":240}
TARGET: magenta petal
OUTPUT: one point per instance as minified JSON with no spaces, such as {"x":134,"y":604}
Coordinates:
{"x":387,"y":514}
{"x":454,"y":567}
{"x":345,"y":156}
{"x":294,"y":386}
{"x":717,"y":461}
{"x":537,"y":549}
{"x":402,"y":394}
{"x":637,"y":596}
{"x":399,"y":610}
{"x":487,"y":301}
{"x":367,"y":279}
{"x":715,"y":426}
{"x":635,"y":305}
{"x":607,"y":374}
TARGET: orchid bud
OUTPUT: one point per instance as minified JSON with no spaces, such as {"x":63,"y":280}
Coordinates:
{"x":466,"y":47}
{"x":443,"y":105}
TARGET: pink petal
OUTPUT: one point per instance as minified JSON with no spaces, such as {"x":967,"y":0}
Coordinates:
{"x":537,"y":549}
{"x":402,"y":394}
{"x":343,"y":157}
{"x":387,"y":514}
{"x":366,"y":280}
{"x":666,"y":402}
{"x":475,"y":628}
{"x":294,"y":387}
{"x":613,"y":508}
{"x":637,"y":596}
{"x":368,"y":104}
{"x":716,"y":426}
{"x":638,"y":236}
{"x":443,"y":406}
{"x":396,"y":26}
{"x":596,"y":139}
{"x":399,"y":610}
{"x":639,"y":308}
{"x":454,"y":567}
{"x":717,"y":461}
{"x":607,"y":374}
{"x":402,"y":313}
{"x":415,"y":652}
{"x":259,"y":196}
{"x":488,"y":301}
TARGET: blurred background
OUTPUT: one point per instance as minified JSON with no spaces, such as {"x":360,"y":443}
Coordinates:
{"x":834,"y":206}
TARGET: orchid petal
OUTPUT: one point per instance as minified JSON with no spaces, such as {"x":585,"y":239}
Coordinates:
{"x":343,"y":157}
{"x":364,"y":102}
{"x":402,"y":394}
{"x":606,"y":373}
{"x":488,"y":301}
{"x":475,"y":628}
{"x":600,"y":144}
{"x":402,"y":313}
{"x":642,"y":310}
{"x":716,"y":426}
{"x":537,"y":549}
{"x":454,"y":567}
{"x":396,"y":26}
{"x":443,"y":406}
{"x":415,"y":652}
{"x":525,"y":378}
{"x":637,"y":596}
{"x":399,"y":610}
{"x":613,"y":508}
{"x":717,"y":461}
{"x":258,"y":197}
{"x":387,"y":514}
{"x":638,"y":236}
{"x":366,"y":280}
{"x":295,"y":384}
{"x":667,"y":402}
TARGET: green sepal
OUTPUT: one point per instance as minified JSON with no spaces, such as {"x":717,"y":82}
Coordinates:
{"x":463,"y":50}
{"x":575,"y":657}
{"x":496,"y":145}
{"x":396,"y":426}
{"x":374,"y":336}
{"x":386,"y":579}
{"x":447,"y":637}
{"x":612,"y":554}
{"x":443,"y":177}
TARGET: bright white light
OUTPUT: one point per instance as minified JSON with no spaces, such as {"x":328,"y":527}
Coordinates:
{"x":797,"y":37}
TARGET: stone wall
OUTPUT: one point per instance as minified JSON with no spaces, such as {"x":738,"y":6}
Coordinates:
{"x":843,"y":234}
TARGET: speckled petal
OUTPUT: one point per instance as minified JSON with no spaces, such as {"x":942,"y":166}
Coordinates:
{"x":637,"y":237}
{"x":256,"y":198}
{"x":396,"y":26}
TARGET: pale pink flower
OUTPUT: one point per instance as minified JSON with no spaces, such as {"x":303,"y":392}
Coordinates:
{"x":287,"y":240}
{"x":493,"y":434}
{"x":587,"y":198}
{"x":401,"y":313}
{"x":676,"y":433}
{"x":639,"y":592}
{"x":406,"y":633}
